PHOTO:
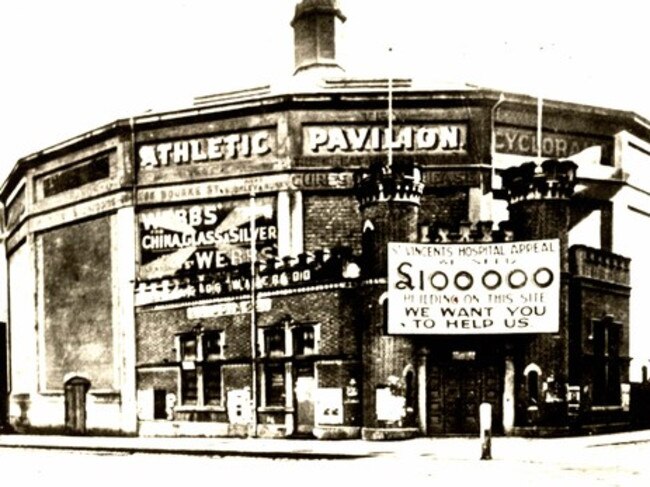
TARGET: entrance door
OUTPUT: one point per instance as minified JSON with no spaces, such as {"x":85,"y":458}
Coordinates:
{"x":461,"y":399}
{"x":304,"y":390}
{"x":4,"y":382}
{"x":456,"y":390}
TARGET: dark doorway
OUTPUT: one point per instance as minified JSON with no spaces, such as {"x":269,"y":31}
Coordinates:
{"x":304,"y":390}
{"x":456,"y":390}
{"x":4,"y":379}
{"x":462,"y":391}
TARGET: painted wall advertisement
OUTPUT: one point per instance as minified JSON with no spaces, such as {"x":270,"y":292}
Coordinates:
{"x":359,"y":139}
{"x":225,"y":147}
{"x":205,"y":238}
{"x":437,"y":289}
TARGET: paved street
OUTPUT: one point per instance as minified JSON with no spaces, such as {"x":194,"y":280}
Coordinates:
{"x":516,"y":462}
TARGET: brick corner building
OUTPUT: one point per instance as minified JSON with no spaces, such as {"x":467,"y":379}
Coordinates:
{"x":282,"y":263}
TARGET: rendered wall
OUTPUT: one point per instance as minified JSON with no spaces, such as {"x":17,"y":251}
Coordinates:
{"x":77,"y":304}
{"x":22,"y":325}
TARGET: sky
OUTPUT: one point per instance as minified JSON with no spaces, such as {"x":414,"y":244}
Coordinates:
{"x":69,"y":66}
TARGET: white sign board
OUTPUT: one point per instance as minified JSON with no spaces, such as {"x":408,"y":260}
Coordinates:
{"x":388,"y":406}
{"x":329,"y":406}
{"x":231,"y":308}
{"x":462,"y":289}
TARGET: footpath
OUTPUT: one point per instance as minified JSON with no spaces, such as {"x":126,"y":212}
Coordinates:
{"x":465,"y":448}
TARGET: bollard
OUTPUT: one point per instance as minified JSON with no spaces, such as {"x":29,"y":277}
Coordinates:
{"x":485,"y":421}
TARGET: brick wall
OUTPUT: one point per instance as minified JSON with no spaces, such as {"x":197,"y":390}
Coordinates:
{"x":333,"y":310}
{"x":330,"y":221}
{"x":445,"y":205}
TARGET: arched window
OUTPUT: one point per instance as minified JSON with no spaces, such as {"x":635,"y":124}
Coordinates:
{"x":532,"y":372}
{"x":533,"y":387}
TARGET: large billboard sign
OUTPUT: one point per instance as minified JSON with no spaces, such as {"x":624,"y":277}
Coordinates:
{"x":204,"y":239}
{"x":458,"y":289}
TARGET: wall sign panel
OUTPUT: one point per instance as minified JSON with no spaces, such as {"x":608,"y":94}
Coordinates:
{"x":204,"y":238}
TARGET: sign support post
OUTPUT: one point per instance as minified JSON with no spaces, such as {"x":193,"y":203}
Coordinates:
{"x":253,"y":317}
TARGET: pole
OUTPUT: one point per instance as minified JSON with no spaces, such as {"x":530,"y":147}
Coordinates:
{"x":390,"y":109}
{"x":253,"y":317}
{"x":540,"y":108}
{"x":485,"y":422}
{"x":540,"y":103}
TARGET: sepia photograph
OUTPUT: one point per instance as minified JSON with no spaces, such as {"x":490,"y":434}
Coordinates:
{"x":324,"y":241}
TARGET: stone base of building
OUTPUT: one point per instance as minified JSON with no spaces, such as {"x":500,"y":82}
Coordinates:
{"x":576,"y":430}
{"x":337,"y":432}
{"x":380,"y":434}
{"x":184,"y":428}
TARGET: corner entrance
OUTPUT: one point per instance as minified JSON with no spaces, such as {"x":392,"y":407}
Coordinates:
{"x":457,"y":387}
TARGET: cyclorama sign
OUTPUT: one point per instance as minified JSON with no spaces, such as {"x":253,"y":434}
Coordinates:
{"x":474,"y":289}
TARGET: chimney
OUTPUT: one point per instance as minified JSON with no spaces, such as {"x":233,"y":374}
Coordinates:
{"x":314,"y":28}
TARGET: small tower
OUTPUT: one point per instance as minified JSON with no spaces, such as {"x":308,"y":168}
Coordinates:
{"x":539,"y":204}
{"x":314,"y":27}
{"x":389,"y":199}
{"x":539,"y":201}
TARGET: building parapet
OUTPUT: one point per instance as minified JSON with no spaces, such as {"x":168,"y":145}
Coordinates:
{"x":599,"y":264}
{"x":552,"y":179}
{"x":466,"y":232}
{"x":400,"y":182}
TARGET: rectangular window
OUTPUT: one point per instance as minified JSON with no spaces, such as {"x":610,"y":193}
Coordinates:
{"x":74,"y":177}
{"x":274,"y":342}
{"x":200,"y":354}
{"x":188,"y":347}
{"x":274,"y":387}
{"x":212,"y":385}
{"x":607,"y":363}
{"x":304,"y":340}
{"x":189,"y":387}
{"x":212,"y":346}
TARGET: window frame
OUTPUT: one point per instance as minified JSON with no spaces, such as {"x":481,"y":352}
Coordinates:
{"x":197,"y":364}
